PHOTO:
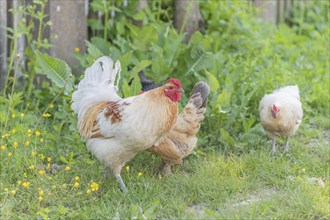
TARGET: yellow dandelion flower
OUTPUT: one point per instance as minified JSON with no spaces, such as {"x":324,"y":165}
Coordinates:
{"x":41,"y":140}
{"x":41,"y":172}
{"x":64,"y":186}
{"x":27,"y":143}
{"x":67,"y":168}
{"x":31,"y":167}
{"x":77,"y":49}
{"x":26,"y":184}
{"x":88,"y":191}
{"x":48,"y":166}
{"x":37,"y":133}
{"x":9,"y":154}
{"x":49,"y":159}
{"x":76,"y":178}
{"x":6,"y":135}
{"x":15,"y":144}
{"x":29,"y":131}
{"x":29,"y":134}
{"x":51,"y":105}
{"x":76,"y":184}
{"x":22,"y":115}
{"x":19,"y":182}
{"x":13,"y":115}
{"x":40,"y":198}
{"x":33,"y":153}
{"x":41,"y":192}
{"x":46,"y":115}
{"x":127,"y":168}
{"x":140,"y":174}
{"x":13,"y":192}
{"x":94,"y":186}
{"x":13,"y":131}
{"x":3,"y":147}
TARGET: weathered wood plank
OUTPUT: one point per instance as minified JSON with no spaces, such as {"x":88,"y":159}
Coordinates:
{"x":3,"y":43}
{"x":69,"y":29}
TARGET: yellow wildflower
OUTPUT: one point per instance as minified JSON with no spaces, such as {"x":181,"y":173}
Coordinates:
{"x":3,"y":147}
{"x":64,"y":186}
{"x":40,"y":198}
{"x":13,"y":131}
{"x":31,"y":167}
{"x":41,"y":172}
{"x":41,"y":140}
{"x":37,"y":133}
{"x":29,"y":131}
{"x":51,"y":105}
{"x":27,"y":143}
{"x":49,"y":159}
{"x":46,"y":115}
{"x":6,"y":135}
{"x":9,"y":154}
{"x":76,"y":184}
{"x":15,"y":144}
{"x":33,"y":153}
{"x":127,"y":168}
{"x":48,"y":166}
{"x":94,"y":186}
{"x":41,"y":192}
{"x":22,"y":115}
{"x":303,"y":170}
{"x":140,"y":174}
{"x":26,"y":184}
{"x":19,"y":182}
{"x":67,"y":168}
{"x":5,"y":189}
{"x":13,"y":192}
{"x":13,"y":115}
{"x":25,"y":175}
{"x":88,"y":191}
{"x":76,"y":178}
{"x":77,"y":49}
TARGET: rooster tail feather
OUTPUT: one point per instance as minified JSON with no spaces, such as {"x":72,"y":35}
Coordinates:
{"x":199,"y":95}
{"x":97,"y":85}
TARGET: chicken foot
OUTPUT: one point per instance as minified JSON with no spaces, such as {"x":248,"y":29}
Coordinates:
{"x":118,"y":177}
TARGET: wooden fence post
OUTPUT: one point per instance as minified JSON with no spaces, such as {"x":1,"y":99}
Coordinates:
{"x":69,"y":29}
{"x":3,"y":43}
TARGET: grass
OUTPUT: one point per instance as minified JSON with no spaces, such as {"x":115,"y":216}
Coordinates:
{"x":47,"y":172}
{"x":292,"y":185}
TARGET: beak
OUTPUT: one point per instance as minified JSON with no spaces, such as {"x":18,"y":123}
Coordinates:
{"x":181,"y":90}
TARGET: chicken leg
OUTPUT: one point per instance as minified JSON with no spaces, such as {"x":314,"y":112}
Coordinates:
{"x":286,"y":146}
{"x":274,"y":147}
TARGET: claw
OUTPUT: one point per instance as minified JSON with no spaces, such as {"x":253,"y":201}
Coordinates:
{"x":274,"y":147}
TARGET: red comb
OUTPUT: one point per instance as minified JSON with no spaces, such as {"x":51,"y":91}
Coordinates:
{"x":275,"y":109}
{"x":175,"y":82}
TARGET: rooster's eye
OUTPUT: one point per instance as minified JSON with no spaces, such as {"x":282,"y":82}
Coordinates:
{"x":171,"y":87}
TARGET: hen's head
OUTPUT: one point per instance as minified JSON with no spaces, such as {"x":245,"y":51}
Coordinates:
{"x":173,"y":89}
{"x":275,"y":110}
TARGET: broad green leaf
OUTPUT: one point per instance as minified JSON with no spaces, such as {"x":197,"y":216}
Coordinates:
{"x":227,"y":137}
{"x":93,"y":51}
{"x":213,"y":81}
{"x":56,"y":70}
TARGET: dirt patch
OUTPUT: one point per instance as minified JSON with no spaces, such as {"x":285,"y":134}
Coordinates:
{"x":256,"y":196}
{"x":196,"y":209}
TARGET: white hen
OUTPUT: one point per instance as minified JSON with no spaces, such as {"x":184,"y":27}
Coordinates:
{"x":281,"y":113}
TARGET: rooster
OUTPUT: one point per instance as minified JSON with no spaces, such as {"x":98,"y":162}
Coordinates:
{"x":281,"y":114}
{"x":182,"y":139}
{"x":116,"y":129}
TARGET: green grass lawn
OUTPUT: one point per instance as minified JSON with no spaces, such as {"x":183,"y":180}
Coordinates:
{"x":255,"y":184}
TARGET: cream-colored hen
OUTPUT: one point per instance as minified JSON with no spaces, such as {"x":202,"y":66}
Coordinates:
{"x":281,"y":114}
